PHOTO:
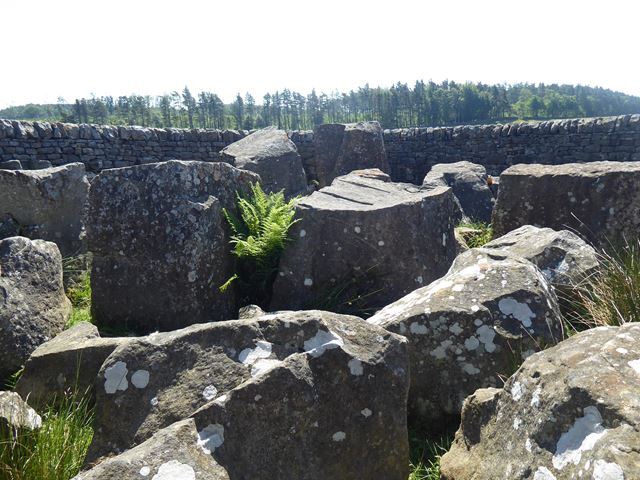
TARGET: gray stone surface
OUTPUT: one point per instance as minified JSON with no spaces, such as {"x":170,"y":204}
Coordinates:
{"x":161,"y":244}
{"x":11,"y":165}
{"x":572,"y":411}
{"x":270,"y":154}
{"x":599,"y":200}
{"x":472,"y":327}
{"x":563,"y":257}
{"x":33,"y":306}
{"x":68,"y":362}
{"x":16,"y":414}
{"x":279,"y":373}
{"x":173,"y":453}
{"x":469,"y":184}
{"x":365,"y":237}
{"x":48,"y":204}
{"x":342,"y":148}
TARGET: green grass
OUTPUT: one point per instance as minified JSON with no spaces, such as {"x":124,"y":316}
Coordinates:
{"x":259,"y":235}
{"x":56,"y":451}
{"x":476,"y":234}
{"x":426,"y":453}
{"x":80,"y":295}
{"x":611,"y":295}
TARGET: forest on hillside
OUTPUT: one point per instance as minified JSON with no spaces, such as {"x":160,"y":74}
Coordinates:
{"x":424,"y":104}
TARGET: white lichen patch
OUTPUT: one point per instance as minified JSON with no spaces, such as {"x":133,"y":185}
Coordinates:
{"x":519,"y":311}
{"x":115,"y":378}
{"x":322,"y":341}
{"x":635,"y":365}
{"x":355,"y":367}
{"x":209,"y":392}
{"x":154,"y":401}
{"x":543,"y":473}
{"x":486,"y":334}
{"x":581,"y":437}
{"x":622,"y":351}
{"x":366,"y":413}
{"x":470,"y":369}
{"x":456,"y":329}
{"x":603,"y":470}
{"x":441,"y":351}
{"x":516,"y":423}
{"x":339,"y":436}
{"x":418,"y":329}
{"x":517,"y":391}
{"x":471,"y":343}
{"x":145,"y":471}
{"x":263,"y":365}
{"x":303,"y":233}
{"x":140,"y":378}
{"x":527,"y":445}
{"x":211,"y":437}
{"x":174,"y":470}
{"x":249,"y":356}
{"x":535,"y":397}
{"x":308,"y":282}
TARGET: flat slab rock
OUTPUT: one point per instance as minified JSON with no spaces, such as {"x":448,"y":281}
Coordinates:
{"x":161,"y":244}
{"x":299,"y":394}
{"x":68,"y":362}
{"x":33,"y":305}
{"x":471,"y":327}
{"x":172,"y":453}
{"x":563,"y":257}
{"x":48,"y":204}
{"x":599,"y":200}
{"x":365,"y":236}
{"x":572,"y":411}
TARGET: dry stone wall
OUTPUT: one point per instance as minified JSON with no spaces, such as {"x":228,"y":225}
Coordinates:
{"x":410,"y":152}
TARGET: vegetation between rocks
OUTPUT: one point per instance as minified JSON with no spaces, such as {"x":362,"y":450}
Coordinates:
{"x":259,"y":235}
{"x":77,"y":282}
{"x":56,"y":450}
{"x":475,"y":234}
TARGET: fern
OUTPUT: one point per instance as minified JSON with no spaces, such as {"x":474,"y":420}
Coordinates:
{"x":259,"y":234}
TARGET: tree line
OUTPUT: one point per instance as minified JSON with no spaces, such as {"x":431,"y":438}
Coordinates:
{"x":423,"y":104}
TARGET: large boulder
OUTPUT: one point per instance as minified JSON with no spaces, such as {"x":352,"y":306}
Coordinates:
{"x":572,"y":411}
{"x":598,"y":200}
{"x":366,"y":238}
{"x":306,"y":395}
{"x":469,"y":184}
{"x":48,"y":204}
{"x":471,"y":328}
{"x":173,"y":453}
{"x":564,"y":258}
{"x":33,"y":306}
{"x":161,"y":244}
{"x":15,"y":414}
{"x":270,"y":154}
{"x":341,"y":149}
{"x":69,"y":362}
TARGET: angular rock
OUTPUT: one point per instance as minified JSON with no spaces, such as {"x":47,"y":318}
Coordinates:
{"x":367,"y":238}
{"x":472,"y":327}
{"x":572,"y":411}
{"x":469,"y":184}
{"x":173,"y":453}
{"x":11,"y":165}
{"x":16,"y":414}
{"x":564,"y":258}
{"x":598,"y":200}
{"x":161,"y":245}
{"x":9,"y":227}
{"x":48,"y":204}
{"x":281,"y":373}
{"x":341,"y":149}
{"x":69,"y":362}
{"x":270,"y":154}
{"x":33,"y":306}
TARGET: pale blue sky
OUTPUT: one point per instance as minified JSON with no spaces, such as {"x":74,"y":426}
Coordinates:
{"x":72,"y":48}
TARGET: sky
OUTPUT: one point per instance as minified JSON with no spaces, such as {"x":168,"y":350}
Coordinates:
{"x":75,"y":48}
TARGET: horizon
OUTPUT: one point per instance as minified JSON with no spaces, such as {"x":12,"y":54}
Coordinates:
{"x":150,"y":48}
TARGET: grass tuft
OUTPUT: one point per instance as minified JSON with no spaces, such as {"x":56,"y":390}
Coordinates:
{"x":56,"y":451}
{"x":426,"y":453}
{"x":79,"y":292}
{"x":476,"y":234}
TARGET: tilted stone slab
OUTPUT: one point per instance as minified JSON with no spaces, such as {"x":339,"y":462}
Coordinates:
{"x":598,"y":200}
{"x":572,"y":411}
{"x":33,"y":306}
{"x":365,"y":237}
{"x":353,"y":367}
{"x":172,"y":453}
{"x":471,"y":328}
{"x":161,"y":244}
{"x":563,"y":257}
{"x":69,"y":362}
{"x":48,"y":204}
{"x":270,"y":154}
